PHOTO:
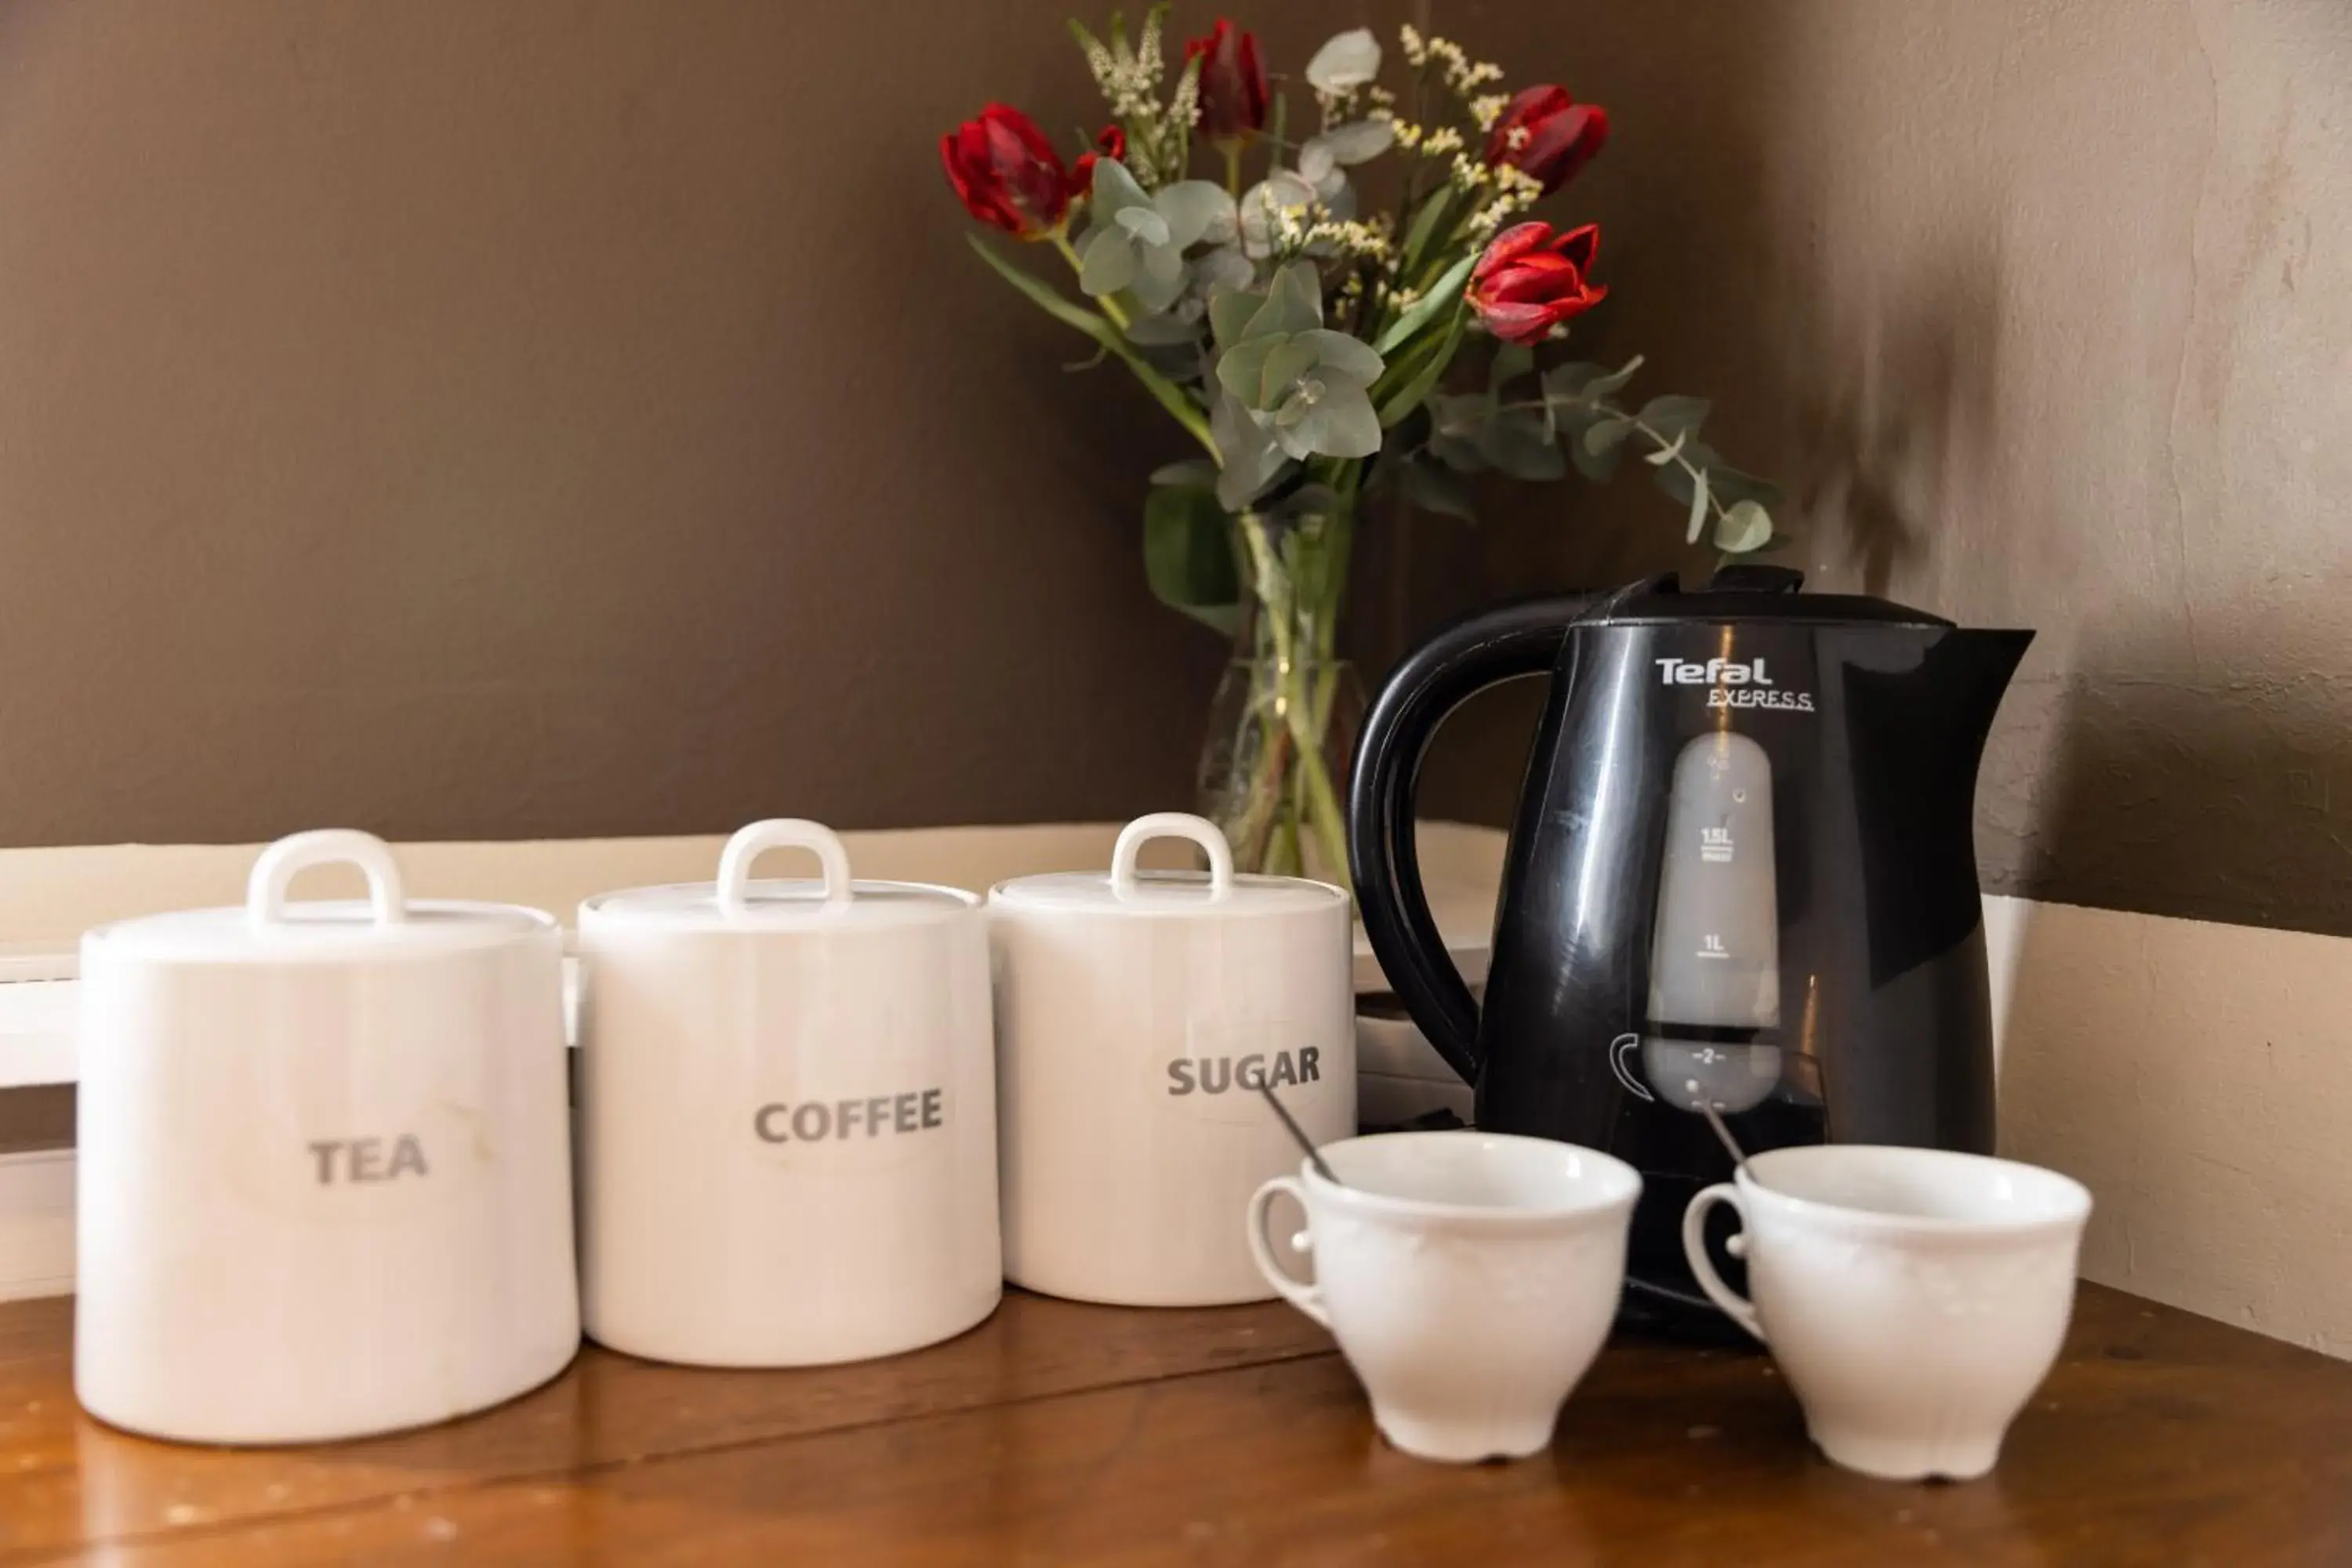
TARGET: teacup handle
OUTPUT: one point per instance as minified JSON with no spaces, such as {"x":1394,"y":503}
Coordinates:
{"x":1735,"y":1307}
{"x":1305,"y":1298}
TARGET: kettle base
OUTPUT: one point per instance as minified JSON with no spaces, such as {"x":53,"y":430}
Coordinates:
{"x":1648,"y":1312}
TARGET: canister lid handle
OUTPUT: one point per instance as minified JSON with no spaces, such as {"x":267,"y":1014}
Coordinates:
{"x":779,"y":833}
{"x":276,"y":867}
{"x":1173,"y":825}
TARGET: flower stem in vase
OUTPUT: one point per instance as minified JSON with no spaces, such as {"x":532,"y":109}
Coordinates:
{"x":1273,"y":770}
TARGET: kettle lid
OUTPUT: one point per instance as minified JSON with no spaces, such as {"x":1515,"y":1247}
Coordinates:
{"x":1744,"y":591}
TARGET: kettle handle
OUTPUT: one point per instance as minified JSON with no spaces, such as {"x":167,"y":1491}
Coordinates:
{"x":1483,"y":651}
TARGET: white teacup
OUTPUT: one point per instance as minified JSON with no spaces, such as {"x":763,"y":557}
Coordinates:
{"x":1470,"y":1278}
{"x":1916,"y":1298}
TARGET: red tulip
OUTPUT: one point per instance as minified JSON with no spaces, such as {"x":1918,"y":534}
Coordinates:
{"x":1111,"y":144}
{"x":1006,"y":172}
{"x":1545,"y":133}
{"x":1529,"y":282}
{"x":1233,"y":83}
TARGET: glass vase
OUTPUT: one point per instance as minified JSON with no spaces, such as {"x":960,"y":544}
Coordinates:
{"x":1282,"y":724}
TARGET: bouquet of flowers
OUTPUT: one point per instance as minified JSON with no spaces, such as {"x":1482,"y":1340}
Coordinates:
{"x":1301,"y":332}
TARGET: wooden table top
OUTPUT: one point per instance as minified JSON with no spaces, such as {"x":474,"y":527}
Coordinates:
{"x":1058,"y":1433}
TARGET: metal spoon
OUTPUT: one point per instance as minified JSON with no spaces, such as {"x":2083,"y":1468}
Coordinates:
{"x":1299,"y":1133}
{"x":1722,"y":1134}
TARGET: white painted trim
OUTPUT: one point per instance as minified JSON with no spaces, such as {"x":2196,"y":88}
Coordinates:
{"x":2198,"y":1078}
{"x":36,"y":1033}
{"x":37,"y":1225}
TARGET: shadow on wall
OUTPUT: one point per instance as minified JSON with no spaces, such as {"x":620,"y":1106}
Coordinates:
{"x":1891,"y":394}
{"x":2142,"y":759}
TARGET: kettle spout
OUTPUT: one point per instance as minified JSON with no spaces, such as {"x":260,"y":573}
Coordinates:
{"x":1981,"y":664}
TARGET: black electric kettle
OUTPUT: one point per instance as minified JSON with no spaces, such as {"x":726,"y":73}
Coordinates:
{"x":1742,"y":873}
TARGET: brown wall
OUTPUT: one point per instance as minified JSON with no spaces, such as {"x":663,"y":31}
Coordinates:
{"x":554,"y":418}
{"x":2044,"y":307}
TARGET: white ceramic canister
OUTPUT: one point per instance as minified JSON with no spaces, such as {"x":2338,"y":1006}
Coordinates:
{"x":788,"y":1114}
{"x":324,"y":1161}
{"x":1136,"y":1015}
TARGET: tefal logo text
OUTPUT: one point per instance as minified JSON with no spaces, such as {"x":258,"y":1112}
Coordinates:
{"x":1737,"y":683}
{"x":1714,"y":672}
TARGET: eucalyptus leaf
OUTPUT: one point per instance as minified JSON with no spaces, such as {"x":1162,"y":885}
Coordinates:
{"x":1336,"y":350}
{"x":1240,"y":369}
{"x":1160,"y":331}
{"x":1570,"y":382}
{"x":1354,"y":426}
{"x":1459,"y":453}
{"x":1142,"y":223}
{"x":1675,"y":414}
{"x":1293,"y":303}
{"x":1297,"y":437}
{"x":1443,"y":295}
{"x":1194,"y":210}
{"x":1675,"y":481}
{"x":1108,"y":264}
{"x":1515,"y":442}
{"x":1230,"y":311}
{"x":1308,"y":502}
{"x":1113,"y":190}
{"x":1732,"y":487}
{"x":1358,"y":141}
{"x":1511,"y":362}
{"x":1341,"y":424}
{"x":1458,"y":429}
{"x":1598,"y":466}
{"x":1607,"y":435}
{"x":1188,"y":556}
{"x":1137,"y":242}
{"x":1159,"y":282}
{"x":1571,"y":420}
{"x":1434,"y":487}
{"x":1586,"y":379}
{"x":1667,"y":452}
{"x":1338,"y":199}
{"x":1462,"y":413}
{"x":1224,"y":268}
{"x":1349,"y":59}
{"x":1289,"y":359}
{"x":1743,"y":526}
{"x":1698,"y":519}
{"x":1198,"y":472}
{"x":1250,"y":457}
{"x":1281,"y":191}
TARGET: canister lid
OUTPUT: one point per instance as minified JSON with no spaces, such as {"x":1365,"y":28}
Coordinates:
{"x":269,"y":928}
{"x":734,"y":903}
{"x":1215,"y":894}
